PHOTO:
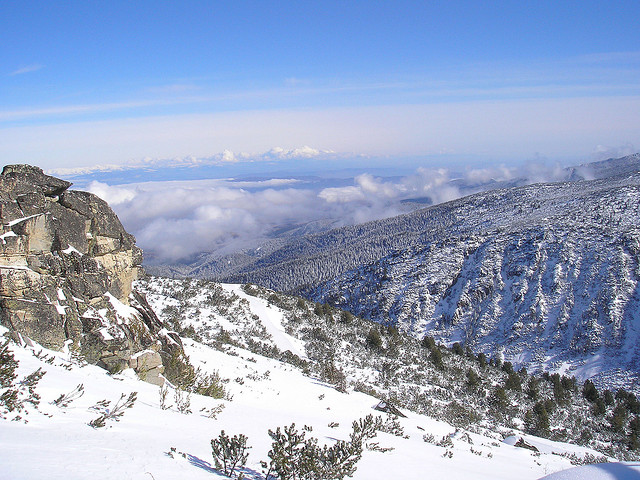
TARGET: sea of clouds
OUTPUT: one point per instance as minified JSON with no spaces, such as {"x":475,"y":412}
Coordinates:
{"x":175,"y":220}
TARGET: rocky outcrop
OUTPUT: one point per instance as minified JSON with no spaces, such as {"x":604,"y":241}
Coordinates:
{"x":66,"y":272}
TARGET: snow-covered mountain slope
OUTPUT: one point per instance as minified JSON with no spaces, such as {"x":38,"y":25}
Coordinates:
{"x":546,"y":274}
{"x":603,"y":471}
{"x":149,"y":441}
{"x":358,"y":355}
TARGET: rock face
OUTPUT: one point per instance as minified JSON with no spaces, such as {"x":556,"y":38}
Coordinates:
{"x":66,"y":272}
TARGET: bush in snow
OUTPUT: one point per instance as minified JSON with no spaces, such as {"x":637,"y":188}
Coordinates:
{"x":210,"y":385}
{"x":114,"y":413}
{"x":182,"y":398}
{"x":15,"y":395}
{"x":181,"y":373}
{"x":65,"y":399}
{"x":293,"y":456}
{"x":229,"y":453}
{"x":392,"y":426}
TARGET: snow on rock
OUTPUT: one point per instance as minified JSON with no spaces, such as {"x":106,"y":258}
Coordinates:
{"x":124,"y":312}
{"x":8,"y":234}
{"x":69,"y":250}
{"x":22,"y":219}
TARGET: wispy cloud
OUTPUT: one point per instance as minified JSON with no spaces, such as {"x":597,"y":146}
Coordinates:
{"x":175,"y":88}
{"x":597,"y":76}
{"x":27,"y":69}
{"x":610,"y":57}
{"x":65,"y":110}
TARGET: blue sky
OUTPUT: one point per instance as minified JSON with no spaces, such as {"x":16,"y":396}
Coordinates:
{"x":85,"y":83}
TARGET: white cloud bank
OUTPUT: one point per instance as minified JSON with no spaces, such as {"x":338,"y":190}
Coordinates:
{"x":225,"y":157}
{"x":173,"y":220}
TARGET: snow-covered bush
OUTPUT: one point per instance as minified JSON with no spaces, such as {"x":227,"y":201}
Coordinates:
{"x":65,"y":399}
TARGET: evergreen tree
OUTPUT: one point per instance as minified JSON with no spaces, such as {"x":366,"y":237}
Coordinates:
{"x":473,"y":380}
{"x":513,"y":382}
{"x":482,"y":360}
{"x":428,"y":342}
{"x":436,"y":358}
{"x":533,"y":390}
{"x":618,"y":418}
{"x":374,"y":340}
{"x":541,"y":419}
{"x":589,"y":391}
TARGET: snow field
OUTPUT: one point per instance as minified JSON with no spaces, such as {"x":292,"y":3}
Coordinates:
{"x":58,"y":443}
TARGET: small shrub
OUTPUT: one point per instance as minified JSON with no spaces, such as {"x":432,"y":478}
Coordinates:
{"x":178,"y":370}
{"x":65,"y":399}
{"x":429,"y":438}
{"x":294,"y":456}
{"x":392,"y":426}
{"x":213,"y":412}
{"x":164,"y":393}
{"x":334,"y":375}
{"x":229,"y":453}
{"x":182,"y":398}
{"x":209,"y":385}
{"x":15,"y":395}
{"x":112,"y":414}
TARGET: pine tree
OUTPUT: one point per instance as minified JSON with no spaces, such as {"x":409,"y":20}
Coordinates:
{"x":436,"y":358}
{"x":589,"y":391}
{"x":374,"y":340}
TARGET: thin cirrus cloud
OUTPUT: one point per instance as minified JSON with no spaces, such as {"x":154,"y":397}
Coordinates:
{"x":27,"y":69}
{"x":175,"y":220}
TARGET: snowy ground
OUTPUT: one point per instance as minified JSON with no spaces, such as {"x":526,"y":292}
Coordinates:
{"x":605,"y":471}
{"x":58,"y":443}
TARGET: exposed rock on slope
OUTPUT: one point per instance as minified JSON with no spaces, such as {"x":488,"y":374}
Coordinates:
{"x":66,"y":269}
